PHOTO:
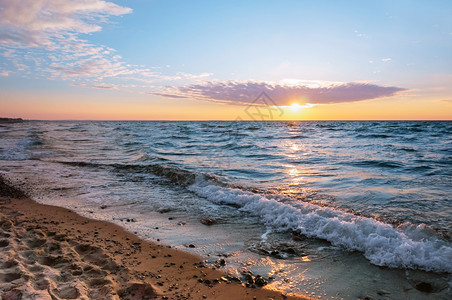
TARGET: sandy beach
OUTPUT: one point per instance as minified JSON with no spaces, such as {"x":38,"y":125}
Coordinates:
{"x":49,"y":252}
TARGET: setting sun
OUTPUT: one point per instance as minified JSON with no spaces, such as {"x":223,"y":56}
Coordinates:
{"x":295,"y":107}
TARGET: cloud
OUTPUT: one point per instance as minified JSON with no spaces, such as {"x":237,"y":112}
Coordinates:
{"x":386,"y":59}
{"x":102,"y":86}
{"x":4,"y":73}
{"x":282,"y":94}
{"x":43,"y":38}
{"x":361,"y":35}
{"x":35,"y":22}
{"x":193,"y":76}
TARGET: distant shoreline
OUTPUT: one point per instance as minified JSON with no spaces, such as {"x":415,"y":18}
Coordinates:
{"x":11,"y":120}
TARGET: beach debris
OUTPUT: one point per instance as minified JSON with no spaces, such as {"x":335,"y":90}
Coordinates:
{"x":103,"y":206}
{"x":207,"y":221}
{"x":163,"y":210}
{"x":127,"y":219}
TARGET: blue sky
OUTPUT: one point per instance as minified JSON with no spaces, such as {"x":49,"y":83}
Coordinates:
{"x":267,"y":40}
{"x":158,"y":51}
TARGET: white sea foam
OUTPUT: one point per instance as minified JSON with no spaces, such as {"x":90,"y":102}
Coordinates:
{"x":20,"y":151}
{"x":380,"y":243}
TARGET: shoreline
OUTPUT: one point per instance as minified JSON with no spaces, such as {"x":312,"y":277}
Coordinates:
{"x":53,"y":253}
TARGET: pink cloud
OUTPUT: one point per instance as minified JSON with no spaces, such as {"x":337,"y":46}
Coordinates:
{"x":245,"y":92}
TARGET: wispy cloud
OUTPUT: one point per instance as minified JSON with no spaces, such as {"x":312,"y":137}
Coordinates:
{"x":361,"y":35}
{"x":43,"y":38}
{"x":386,"y":59}
{"x":38,"y":22}
{"x":102,"y":86}
{"x":283,"y":94}
{"x":47,"y":32}
{"x":4,"y":73}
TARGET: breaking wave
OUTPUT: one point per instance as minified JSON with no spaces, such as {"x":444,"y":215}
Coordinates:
{"x":381,"y":244}
{"x":407,"y":246}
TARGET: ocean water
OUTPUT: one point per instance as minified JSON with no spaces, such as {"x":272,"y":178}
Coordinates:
{"x":326,"y":209}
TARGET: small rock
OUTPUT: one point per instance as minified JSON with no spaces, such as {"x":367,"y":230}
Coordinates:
{"x":248,"y":279}
{"x":207,"y":222}
{"x":424,"y":287}
{"x":297,"y":237}
{"x":382,"y":292}
{"x":259,"y":281}
{"x":290,"y":251}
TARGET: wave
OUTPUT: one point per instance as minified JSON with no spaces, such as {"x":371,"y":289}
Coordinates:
{"x":373,"y":136}
{"x":177,"y":175}
{"x":22,"y":150}
{"x":377,"y":163}
{"x":381,"y":244}
{"x":406,"y":246}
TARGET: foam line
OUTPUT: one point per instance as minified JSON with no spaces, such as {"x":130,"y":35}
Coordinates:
{"x":381,"y":244}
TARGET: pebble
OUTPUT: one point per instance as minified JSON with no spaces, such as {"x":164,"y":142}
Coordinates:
{"x":207,"y":222}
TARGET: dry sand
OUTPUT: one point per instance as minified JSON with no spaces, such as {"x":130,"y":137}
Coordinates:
{"x":48,"y":252}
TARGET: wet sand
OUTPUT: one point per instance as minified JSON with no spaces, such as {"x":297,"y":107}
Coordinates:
{"x":48,"y":252}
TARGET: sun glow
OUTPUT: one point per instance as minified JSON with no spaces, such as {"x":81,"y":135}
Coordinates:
{"x":295,"y":107}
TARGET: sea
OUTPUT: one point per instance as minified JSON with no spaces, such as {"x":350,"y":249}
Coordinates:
{"x":324,"y":209}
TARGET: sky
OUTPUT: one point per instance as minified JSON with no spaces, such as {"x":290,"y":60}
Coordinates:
{"x":226,"y":60}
